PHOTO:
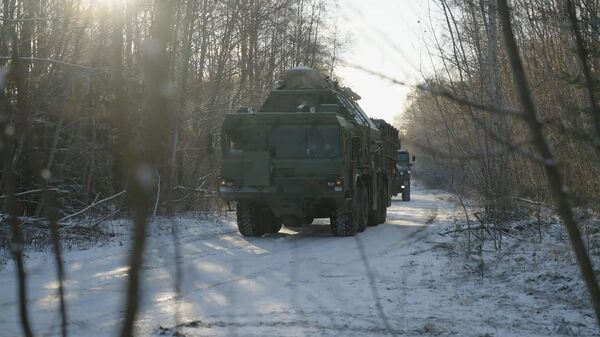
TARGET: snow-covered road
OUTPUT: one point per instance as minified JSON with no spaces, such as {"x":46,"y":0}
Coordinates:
{"x":399,"y":278}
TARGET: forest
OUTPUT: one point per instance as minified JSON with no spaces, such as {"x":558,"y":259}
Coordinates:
{"x":86,"y":74}
{"x":111,"y":109}
{"x":102,"y":97}
{"x":511,"y":118}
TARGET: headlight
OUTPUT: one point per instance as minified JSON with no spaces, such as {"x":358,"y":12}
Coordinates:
{"x":337,"y":184}
{"x":226,"y":183}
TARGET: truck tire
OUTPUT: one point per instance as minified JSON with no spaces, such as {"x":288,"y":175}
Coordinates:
{"x":383,"y":214}
{"x":345,"y":222}
{"x":342,"y":224}
{"x":385,"y":203}
{"x":379,"y":215}
{"x":374,"y":215}
{"x":248,"y":219}
{"x":406,"y":193}
{"x":363,"y":209}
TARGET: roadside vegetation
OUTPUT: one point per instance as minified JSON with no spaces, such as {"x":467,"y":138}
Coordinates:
{"x":111,"y":108}
{"x":510,"y":120}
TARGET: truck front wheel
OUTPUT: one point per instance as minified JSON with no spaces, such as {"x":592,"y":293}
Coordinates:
{"x":249,"y":219}
{"x":342,"y":224}
{"x":406,"y":192}
{"x":345,"y":222}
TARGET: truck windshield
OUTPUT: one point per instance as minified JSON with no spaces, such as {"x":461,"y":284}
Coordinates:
{"x":246,"y":139}
{"x":288,"y":142}
{"x":403,"y":159}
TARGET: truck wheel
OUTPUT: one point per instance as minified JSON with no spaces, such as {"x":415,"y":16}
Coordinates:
{"x":383,"y":214}
{"x":364,"y":209}
{"x":344,"y":223}
{"x":248,"y":219}
{"x":384,"y":205}
{"x":406,"y":193}
{"x":374,"y":215}
{"x":379,"y":215}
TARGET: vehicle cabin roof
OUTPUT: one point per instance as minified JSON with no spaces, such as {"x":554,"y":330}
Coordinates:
{"x":304,"y":89}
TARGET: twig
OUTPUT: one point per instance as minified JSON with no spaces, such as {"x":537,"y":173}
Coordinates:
{"x":206,"y":176}
{"x":535,"y":203}
{"x":487,"y":230}
{"x":33,"y":19}
{"x":460,"y":230}
{"x":94,"y":204}
{"x":49,"y":60}
{"x":20,"y":194}
{"x":106,"y":217}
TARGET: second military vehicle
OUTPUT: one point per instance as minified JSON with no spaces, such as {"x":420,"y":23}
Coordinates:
{"x":309,"y":152}
{"x":404,"y":166}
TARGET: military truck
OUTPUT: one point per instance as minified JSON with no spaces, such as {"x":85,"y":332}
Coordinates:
{"x":404,"y":173}
{"x":308,"y":152}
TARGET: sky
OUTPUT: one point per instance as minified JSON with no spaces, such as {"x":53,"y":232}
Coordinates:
{"x":388,"y":37}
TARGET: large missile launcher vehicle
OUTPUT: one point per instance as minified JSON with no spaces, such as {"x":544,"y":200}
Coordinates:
{"x":309,"y":152}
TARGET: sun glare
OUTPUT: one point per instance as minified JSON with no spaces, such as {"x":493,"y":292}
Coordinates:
{"x":104,"y":4}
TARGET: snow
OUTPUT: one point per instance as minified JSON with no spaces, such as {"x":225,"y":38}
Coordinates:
{"x":397,"y":279}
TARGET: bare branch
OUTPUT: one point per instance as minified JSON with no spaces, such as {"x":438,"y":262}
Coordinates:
{"x":49,"y":60}
{"x":440,"y":92}
{"x":20,"y":194}
{"x":92,"y":205}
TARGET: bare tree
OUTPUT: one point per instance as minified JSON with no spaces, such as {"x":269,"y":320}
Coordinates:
{"x":154,"y":152}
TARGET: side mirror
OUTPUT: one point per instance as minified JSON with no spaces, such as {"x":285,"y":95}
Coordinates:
{"x":414,"y":158}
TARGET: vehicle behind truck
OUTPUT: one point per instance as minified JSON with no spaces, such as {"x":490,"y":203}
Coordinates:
{"x":404,"y":165}
{"x":308,"y":152}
